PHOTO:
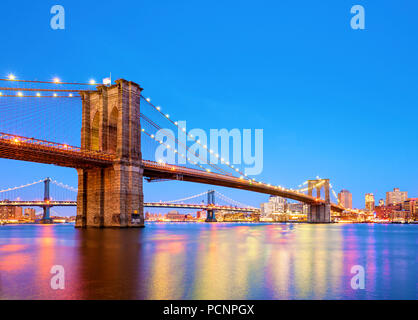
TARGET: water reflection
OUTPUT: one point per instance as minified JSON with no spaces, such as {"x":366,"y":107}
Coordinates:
{"x":209,"y":261}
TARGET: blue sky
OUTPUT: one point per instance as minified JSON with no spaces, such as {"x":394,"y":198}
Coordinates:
{"x":333,"y":102}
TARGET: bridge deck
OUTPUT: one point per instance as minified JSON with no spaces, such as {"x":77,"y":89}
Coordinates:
{"x":41,"y":151}
{"x":163,"y":171}
{"x":52,"y":203}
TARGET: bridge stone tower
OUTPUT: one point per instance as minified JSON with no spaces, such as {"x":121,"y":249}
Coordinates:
{"x":210,"y":215}
{"x":321,"y":212}
{"x":112,"y":196}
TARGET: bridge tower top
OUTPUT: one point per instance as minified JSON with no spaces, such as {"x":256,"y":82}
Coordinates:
{"x":110,"y":120}
{"x":320,"y":184}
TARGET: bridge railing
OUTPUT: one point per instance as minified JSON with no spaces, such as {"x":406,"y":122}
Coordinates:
{"x":17,"y":140}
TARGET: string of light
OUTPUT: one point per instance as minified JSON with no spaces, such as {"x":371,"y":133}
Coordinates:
{"x":62,"y":185}
{"x":176,"y":140}
{"x":12,"y":78}
{"x":167,"y":116}
{"x":188,"y":198}
{"x":22,"y":186}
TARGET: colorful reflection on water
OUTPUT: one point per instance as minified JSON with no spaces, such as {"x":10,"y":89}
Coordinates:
{"x":210,"y":261}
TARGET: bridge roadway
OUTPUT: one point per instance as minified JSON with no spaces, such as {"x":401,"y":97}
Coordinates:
{"x":41,"y":151}
{"x":52,"y":203}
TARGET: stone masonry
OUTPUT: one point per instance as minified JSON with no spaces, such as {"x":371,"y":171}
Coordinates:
{"x":112,"y":196}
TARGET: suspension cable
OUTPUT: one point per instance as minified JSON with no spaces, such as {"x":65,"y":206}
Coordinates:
{"x":22,"y":186}
{"x":188,"y":198}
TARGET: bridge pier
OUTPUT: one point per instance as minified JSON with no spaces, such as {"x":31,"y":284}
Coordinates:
{"x":112,"y":196}
{"x":210,"y":215}
{"x":46,"y":217}
{"x":319,"y":213}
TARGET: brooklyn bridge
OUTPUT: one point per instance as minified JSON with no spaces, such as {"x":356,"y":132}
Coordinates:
{"x":118,"y":130}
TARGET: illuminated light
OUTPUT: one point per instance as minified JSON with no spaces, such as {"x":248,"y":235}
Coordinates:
{"x":232,"y":167}
{"x":57,"y":80}
{"x":198,"y":141}
{"x":222,"y":159}
{"x":167,"y":116}
{"x":237,"y":170}
{"x":70,"y":95}
{"x":168,"y":146}
{"x":16,"y":140}
{"x":20,"y":94}
{"x":227,"y":163}
{"x":92,"y":81}
{"x":158,"y":108}
{"x":152,"y":136}
{"x":55,"y":95}
{"x":65,"y":146}
{"x":210,"y":151}
{"x":208,"y":170}
{"x":175,"y":123}
{"x":38,"y":94}
{"x":149,"y":99}
{"x":190,"y":135}
{"x":217,"y":155}
{"x":11,"y":76}
{"x":1,"y":93}
{"x":205,"y":146}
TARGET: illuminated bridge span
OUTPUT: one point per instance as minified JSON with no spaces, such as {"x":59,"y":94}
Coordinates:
{"x":53,"y":190}
{"x":58,"y":203}
{"x":113,"y":159}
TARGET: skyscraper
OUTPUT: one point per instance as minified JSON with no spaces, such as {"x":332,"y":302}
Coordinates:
{"x":345,"y":198}
{"x":396,"y":196}
{"x":274,"y":205}
{"x":370,"y":202}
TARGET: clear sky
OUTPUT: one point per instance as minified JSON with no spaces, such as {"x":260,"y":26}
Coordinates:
{"x":333,"y":101}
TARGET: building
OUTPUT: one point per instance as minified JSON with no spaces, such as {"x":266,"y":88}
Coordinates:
{"x":386,"y":212}
{"x":174,"y":215}
{"x":345,"y":198}
{"x":295,"y":207}
{"x":201,"y":214}
{"x":410,"y":206}
{"x":396,"y":196}
{"x":275,"y":205}
{"x":370,"y":202}
{"x":381,"y":203}
{"x":30,"y":213}
{"x":10,"y":213}
{"x":266,"y":209}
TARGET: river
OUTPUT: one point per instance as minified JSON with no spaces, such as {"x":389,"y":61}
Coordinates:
{"x":210,"y":261}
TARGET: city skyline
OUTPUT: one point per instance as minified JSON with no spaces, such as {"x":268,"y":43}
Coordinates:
{"x":292,"y":152}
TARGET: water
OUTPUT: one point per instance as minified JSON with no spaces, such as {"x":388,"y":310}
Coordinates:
{"x":210,"y":261}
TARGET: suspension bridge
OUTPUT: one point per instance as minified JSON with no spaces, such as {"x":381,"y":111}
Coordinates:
{"x":120,"y":130}
{"x":57,"y":194}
